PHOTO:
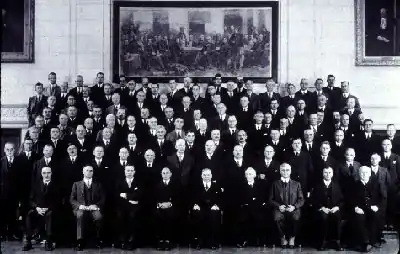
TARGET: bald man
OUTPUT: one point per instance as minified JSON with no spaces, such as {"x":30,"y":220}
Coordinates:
{"x":369,"y":199}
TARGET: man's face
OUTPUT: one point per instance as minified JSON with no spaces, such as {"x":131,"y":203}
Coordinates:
{"x":285,"y":172}
{"x":140,"y":96}
{"x":269,"y":153}
{"x":351,"y":103}
{"x":122,"y":81}
{"x":132,"y":138}
{"x":319,"y":84}
{"x":301,"y":105}
{"x":144,"y":113}
{"x":46,"y":174}
{"x":172,"y":85}
{"x":123,"y":154}
{"x":270,"y":86}
{"x":365,"y":174}
{"x":339,"y":136}
{"x":129,"y":172}
{"x":9,"y":150}
{"x":154,"y":89}
{"x":55,"y":133}
{"x":296,"y":145}
{"x":100,"y":78}
{"x":72,"y":112}
{"x":283,"y":123}
{"x":51,"y":101}
{"x":169,"y":113}
{"x":28,"y":144}
{"x":106,"y":133}
{"x":291,"y":112}
{"x":39,"y":122}
{"x":48,"y":151}
{"x":313,"y":119}
{"x":46,"y":113}
{"x":215,"y":135}
{"x":327,"y":174}
{"x":197,"y":114}
{"x":80,"y":132}
{"x":180,"y":147}
{"x":64,"y":87}
{"x":331,"y":81}
{"x":166,"y":174}
{"x":196,"y":90}
{"x":149,"y":156}
{"x":90,"y":105}
{"x":206,"y":175}
{"x":291,"y":89}
{"x":320,"y":117}
{"x":309,"y":136}
{"x":72,"y":150}
{"x":79,"y":81}
{"x":391,"y":131}
{"x":107,"y":90}
{"x":97,"y":112}
{"x":345,"y":120}
{"x":160,"y":133}
{"x":321,"y":101}
{"x":190,"y":137}
{"x":242,"y":137}
{"x":386,"y":146}
{"x":375,"y":159}
{"x":178,"y":123}
{"x":349,"y":155}
{"x":71,"y":100}
{"x":210,"y":147}
{"x":325,"y":149}
{"x":152,"y":122}
{"x":232,"y":122}
{"x":163,"y":99}
{"x":345,"y":87}
{"x":88,"y":172}
{"x":238,"y":152}
{"x":115,"y":98}
{"x":250,"y":175}
{"x":98,"y":152}
{"x":244,"y":102}
{"x":274,"y":104}
{"x":259,"y":118}
{"x":39,"y":89}
{"x":304,"y":84}
{"x":268,"y":118}
{"x":275,"y":135}
{"x":131,"y":121}
{"x":186,"y":102}
{"x":368,"y":126}
{"x":34,"y":134}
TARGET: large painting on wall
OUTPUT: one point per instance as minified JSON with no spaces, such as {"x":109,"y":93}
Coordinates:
{"x":17,"y":18}
{"x":378,"y":32}
{"x":174,"y":39}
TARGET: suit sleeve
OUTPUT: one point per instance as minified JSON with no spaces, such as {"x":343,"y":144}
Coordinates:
{"x":73,"y":197}
{"x":100,"y":202}
{"x":271,"y":199}
{"x":300,"y":199}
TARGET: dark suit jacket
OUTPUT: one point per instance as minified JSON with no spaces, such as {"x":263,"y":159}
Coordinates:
{"x":50,"y":198}
{"x":9,"y":179}
{"x":167,"y":193}
{"x":35,"y":107}
{"x":206,"y":199}
{"x":52,"y":91}
{"x":375,"y":192}
{"x":38,"y":165}
{"x":77,"y":197}
{"x":265,"y":101}
{"x":383,"y":177}
{"x":253,"y":197}
{"x":393,"y":167}
{"x":181,"y":171}
{"x":302,"y":168}
{"x":134,"y":193}
{"x":319,"y":197}
{"x":296,"y":198}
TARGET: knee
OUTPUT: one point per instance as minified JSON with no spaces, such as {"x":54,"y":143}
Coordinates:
{"x":295,"y":215}
{"x":79,"y":215}
{"x":97,"y":216}
{"x":278,"y":216}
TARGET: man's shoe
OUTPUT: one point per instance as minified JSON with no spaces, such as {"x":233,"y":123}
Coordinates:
{"x":366,"y":248}
{"x":160,"y":245}
{"x":291,"y":242}
{"x":338,"y":247}
{"x":79,"y":247}
{"x":284,"y":242}
{"x":27,"y":246}
{"x":322,"y":247}
{"x":99,"y":244}
{"x":214,"y":247}
{"x":167,"y":246}
{"x":48,"y":246}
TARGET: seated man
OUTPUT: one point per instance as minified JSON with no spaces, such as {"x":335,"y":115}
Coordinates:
{"x":87,"y":199}
{"x":252,"y":209}
{"x":206,"y":211}
{"x":44,"y":200}
{"x":327,"y":201}
{"x":369,"y":197}
{"x":286,"y":197}
{"x":128,"y":198}
{"x":166,"y":199}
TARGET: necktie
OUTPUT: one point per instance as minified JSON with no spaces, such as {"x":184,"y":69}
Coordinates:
{"x":165,"y":182}
{"x":45,"y":187}
{"x":88,"y":183}
{"x":129,"y":183}
{"x":207,"y":186}
{"x":98,"y":163}
{"x":308,"y":147}
{"x":47,"y":162}
{"x":124,"y":164}
{"x":149,"y":165}
{"x":72,"y":160}
{"x":106,"y":143}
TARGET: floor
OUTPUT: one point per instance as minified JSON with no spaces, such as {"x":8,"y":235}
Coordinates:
{"x":15,"y":247}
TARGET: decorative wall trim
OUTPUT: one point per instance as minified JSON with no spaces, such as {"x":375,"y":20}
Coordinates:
{"x":14,"y":115}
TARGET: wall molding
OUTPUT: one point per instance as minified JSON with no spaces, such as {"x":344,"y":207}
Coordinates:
{"x":14,"y":116}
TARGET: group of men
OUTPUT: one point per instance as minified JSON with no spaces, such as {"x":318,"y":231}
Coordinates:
{"x":137,"y":166}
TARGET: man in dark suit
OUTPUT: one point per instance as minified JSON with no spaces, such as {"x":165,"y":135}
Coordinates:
{"x":339,"y":146}
{"x":162,"y":147}
{"x":345,"y":95}
{"x":251,"y":218}
{"x":46,"y":161}
{"x":391,"y":135}
{"x":244,"y":113}
{"x":286,"y":198}
{"x":87,"y":199}
{"x":206,"y":208}
{"x":181,"y":164}
{"x":167,"y":208}
{"x":369,"y":198}
{"x":327,"y":201}
{"x":267,"y":167}
{"x":289,"y":99}
{"x":333,"y":92}
{"x":97,"y":90}
{"x":53,"y":89}
{"x":302,"y":166}
{"x":36,"y":104}
{"x":197,"y":100}
{"x":128,"y":195}
{"x":367,"y":142}
{"x":116,"y":104}
{"x":303,"y":93}
{"x":45,"y":200}
{"x":268,"y":96}
{"x":390,"y":161}
{"x":9,"y":174}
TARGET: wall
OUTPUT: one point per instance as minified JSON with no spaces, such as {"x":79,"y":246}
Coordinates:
{"x":316,"y":39}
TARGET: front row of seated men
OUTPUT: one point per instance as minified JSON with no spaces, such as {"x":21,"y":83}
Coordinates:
{"x":205,"y":208}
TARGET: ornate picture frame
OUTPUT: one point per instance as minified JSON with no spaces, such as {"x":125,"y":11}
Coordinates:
{"x":377,"y":30}
{"x":18,"y":17}
{"x":141,"y":26}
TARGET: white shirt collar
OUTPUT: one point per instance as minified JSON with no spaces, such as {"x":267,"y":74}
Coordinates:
{"x":250,"y":182}
{"x":285,"y":180}
{"x":327,"y":183}
{"x":375,"y":168}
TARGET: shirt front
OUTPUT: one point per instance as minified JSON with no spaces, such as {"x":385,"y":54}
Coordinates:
{"x":327,"y":183}
{"x":88,"y":182}
{"x":284,"y":180}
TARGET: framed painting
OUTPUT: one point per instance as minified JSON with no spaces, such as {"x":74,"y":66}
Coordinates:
{"x":377,"y":32}
{"x":17,"y":39}
{"x":165,"y":40}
